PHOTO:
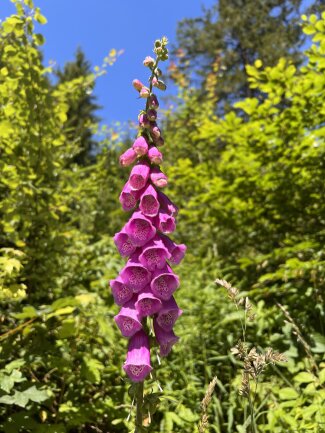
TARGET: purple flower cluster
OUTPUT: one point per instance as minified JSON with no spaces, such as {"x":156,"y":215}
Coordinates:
{"x":146,"y":284}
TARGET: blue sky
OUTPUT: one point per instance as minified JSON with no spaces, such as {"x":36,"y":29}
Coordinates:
{"x":100,"y":25}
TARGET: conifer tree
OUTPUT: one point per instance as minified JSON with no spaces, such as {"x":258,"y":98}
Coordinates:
{"x":81,"y":113}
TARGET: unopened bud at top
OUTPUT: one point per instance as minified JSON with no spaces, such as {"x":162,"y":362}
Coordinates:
{"x":144,"y":121}
{"x":137,"y":84}
{"x":152,"y":115}
{"x":144,"y":92}
{"x":159,"y":84}
{"x":153,"y":102}
{"x":149,"y":62}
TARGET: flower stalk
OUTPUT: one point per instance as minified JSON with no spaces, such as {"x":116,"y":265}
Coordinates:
{"x":139,"y":406}
{"x":146,"y":284}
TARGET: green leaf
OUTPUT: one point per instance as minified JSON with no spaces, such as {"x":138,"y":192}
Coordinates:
{"x":39,"y":17}
{"x":319,"y":341}
{"x":322,"y":376}
{"x":91,"y":369}
{"x":67,"y":329}
{"x":304,"y":377}
{"x":27,"y":313}
{"x":17,"y":363}
{"x":22,"y":398}
{"x":288,"y":393}
{"x":7,"y":381}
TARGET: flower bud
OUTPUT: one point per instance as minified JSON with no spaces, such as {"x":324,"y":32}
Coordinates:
{"x":152,"y":115}
{"x":160,"y":141}
{"x":144,"y":92}
{"x":153,"y":102}
{"x":137,"y":84}
{"x":154,"y":81}
{"x":144,"y":121}
{"x":158,"y":178}
{"x":161,"y":85}
{"x":149,"y":62}
{"x":140,"y":146}
{"x":155,"y":132}
{"x":165,"y":339}
{"x":128,"y":157}
{"x":158,"y":72}
{"x":155,"y":156}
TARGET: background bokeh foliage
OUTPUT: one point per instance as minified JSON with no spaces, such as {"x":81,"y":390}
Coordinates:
{"x":250,"y":187}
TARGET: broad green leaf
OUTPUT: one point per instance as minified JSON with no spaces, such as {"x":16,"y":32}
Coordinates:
{"x":288,"y":393}
{"x":304,"y":377}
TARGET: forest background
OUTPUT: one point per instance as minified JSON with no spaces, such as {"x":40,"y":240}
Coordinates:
{"x":245,"y":158}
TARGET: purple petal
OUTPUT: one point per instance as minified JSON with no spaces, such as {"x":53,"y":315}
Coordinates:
{"x":177,"y":252}
{"x":147,"y":303}
{"x":168,"y":314}
{"x":166,"y":204}
{"x":165,"y":339}
{"x":137,"y":365}
{"x":128,"y":157}
{"x":164,"y":283}
{"x":140,"y":229}
{"x":154,"y":254}
{"x":140,"y":146}
{"x":165,"y":222}
{"x":121,"y":293}
{"x":149,"y":204}
{"x":139,"y":175}
{"x":128,"y":319}
{"x":128,"y":197}
{"x":123,"y":243}
{"x":158,"y":178}
{"x":134,"y":275}
{"x":155,"y":155}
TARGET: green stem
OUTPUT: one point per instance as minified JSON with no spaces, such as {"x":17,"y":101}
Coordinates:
{"x":251,"y":409}
{"x":150,"y":80}
{"x":139,"y":404}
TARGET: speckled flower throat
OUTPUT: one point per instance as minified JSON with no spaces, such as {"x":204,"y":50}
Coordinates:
{"x":146,"y":285}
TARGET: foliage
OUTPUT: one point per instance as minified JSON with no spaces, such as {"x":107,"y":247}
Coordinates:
{"x":250,"y":190}
{"x":58,"y":348}
{"x":223,"y":41}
